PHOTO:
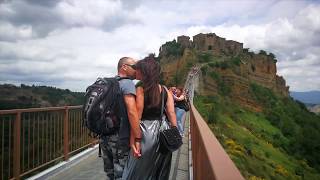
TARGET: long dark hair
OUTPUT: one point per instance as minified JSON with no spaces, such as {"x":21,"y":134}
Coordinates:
{"x":150,"y":70}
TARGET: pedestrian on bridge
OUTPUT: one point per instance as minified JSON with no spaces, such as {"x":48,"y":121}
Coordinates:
{"x":152,"y":164}
{"x":115,"y":147}
{"x":180,"y":108}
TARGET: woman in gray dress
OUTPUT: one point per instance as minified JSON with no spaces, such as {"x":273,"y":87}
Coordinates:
{"x":151,"y":164}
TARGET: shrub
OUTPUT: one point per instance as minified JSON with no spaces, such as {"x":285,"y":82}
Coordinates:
{"x":236,"y":60}
{"x":173,"y":48}
{"x":272,"y":55}
{"x":205,"y":57}
{"x":204,"y":69}
{"x":215,"y":76}
{"x":262,"y":52}
{"x":224,"y":65}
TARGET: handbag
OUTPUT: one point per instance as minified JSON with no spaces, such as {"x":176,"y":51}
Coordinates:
{"x":169,"y":139}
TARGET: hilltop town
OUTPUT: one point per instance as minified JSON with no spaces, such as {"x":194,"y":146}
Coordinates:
{"x":236,"y":66}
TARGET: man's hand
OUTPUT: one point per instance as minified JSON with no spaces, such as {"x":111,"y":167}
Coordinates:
{"x":135,"y":146}
{"x":136,"y":149}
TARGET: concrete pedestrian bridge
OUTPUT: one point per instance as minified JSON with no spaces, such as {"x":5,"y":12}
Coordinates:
{"x":90,"y":166}
{"x":51,"y":143}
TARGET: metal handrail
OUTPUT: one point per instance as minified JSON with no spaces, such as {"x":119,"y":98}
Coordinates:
{"x":35,"y":138}
{"x":209,"y":159}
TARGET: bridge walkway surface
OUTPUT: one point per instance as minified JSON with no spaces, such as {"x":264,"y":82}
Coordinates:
{"x":90,"y":166}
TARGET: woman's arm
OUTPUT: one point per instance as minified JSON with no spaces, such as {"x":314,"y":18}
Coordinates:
{"x":170,"y":109}
{"x":140,"y":101}
{"x":180,"y":98}
{"x":139,"y":105}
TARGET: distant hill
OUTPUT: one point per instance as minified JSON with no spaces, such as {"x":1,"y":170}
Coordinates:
{"x":15,"y":97}
{"x":309,"y":97}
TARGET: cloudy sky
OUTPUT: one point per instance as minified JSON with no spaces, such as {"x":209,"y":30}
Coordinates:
{"x":68,"y":43}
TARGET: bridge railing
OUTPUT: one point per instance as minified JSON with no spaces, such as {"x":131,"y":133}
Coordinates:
{"x":209,"y":159}
{"x":36,"y":138}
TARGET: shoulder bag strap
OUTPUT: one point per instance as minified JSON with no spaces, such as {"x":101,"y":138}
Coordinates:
{"x":162,"y":105}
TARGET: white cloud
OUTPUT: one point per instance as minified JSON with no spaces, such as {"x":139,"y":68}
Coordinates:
{"x":88,"y":12}
{"x":295,"y":42}
{"x":9,"y":32}
{"x":69,"y":43}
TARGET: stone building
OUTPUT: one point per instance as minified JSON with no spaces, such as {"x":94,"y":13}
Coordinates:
{"x":233,"y":47}
{"x":208,"y":43}
{"x":211,"y":43}
{"x":184,"y":41}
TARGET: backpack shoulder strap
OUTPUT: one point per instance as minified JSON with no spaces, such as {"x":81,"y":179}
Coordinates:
{"x":120,"y":78}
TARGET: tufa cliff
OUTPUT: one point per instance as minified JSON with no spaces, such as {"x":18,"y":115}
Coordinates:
{"x":226,"y":67}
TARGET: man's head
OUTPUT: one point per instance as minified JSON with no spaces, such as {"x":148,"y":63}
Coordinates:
{"x":126,"y":67}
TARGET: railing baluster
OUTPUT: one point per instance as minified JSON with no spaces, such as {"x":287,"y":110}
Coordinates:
{"x":66,"y":134}
{"x":33,"y":143}
{"x":47,"y":136}
{"x":76,"y":140}
{"x":38,"y":142}
{"x":42,"y":135}
{"x":23,"y":142}
{"x":60,"y":137}
{"x":71,"y":133}
{"x":79,"y":130}
{"x":29,"y":134}
{"x":16,"y":148}
{"x":54,"y":124}
{"x":9,"y":157}
{"x":2,"y":147}
{"x":50,"y":137}
{"x":61,"y":134}
{"x":57,"y":140}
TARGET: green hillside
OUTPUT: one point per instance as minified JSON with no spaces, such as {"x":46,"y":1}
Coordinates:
{"x":246,"y":104}
{"x":280,"y":143}
{"x":24,"y":96}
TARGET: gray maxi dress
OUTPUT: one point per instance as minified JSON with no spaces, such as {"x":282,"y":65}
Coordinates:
{"x":152,"y":165}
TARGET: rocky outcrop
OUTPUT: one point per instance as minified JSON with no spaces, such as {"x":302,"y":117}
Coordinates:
{"x":314,"y":108}
{"x":235,"y":68}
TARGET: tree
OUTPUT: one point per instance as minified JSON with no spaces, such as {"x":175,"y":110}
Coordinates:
{"x":262,"y":52}
{"x":272,"y":55}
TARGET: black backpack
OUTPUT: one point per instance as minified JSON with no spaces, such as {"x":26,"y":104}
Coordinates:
{"x":104,"y":106}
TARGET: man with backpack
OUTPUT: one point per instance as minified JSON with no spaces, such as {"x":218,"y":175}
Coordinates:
{"x":116,"y":147}
{"x":110,"y":113}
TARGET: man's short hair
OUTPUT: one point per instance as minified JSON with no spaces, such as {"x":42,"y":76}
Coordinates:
{"x":122,"y":61}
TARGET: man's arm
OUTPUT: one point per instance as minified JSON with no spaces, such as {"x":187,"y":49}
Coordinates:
{"x":130,"y":102}
{"x":135,"y":132}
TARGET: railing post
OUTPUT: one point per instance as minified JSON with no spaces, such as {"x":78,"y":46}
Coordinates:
{"x":16,"y":146}
{"x":66,"y":133}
